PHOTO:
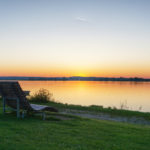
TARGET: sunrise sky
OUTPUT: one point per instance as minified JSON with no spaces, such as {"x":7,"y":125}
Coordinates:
{"x":75,"y":38}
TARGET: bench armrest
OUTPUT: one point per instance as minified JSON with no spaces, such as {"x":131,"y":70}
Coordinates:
{"x":26,"y":92}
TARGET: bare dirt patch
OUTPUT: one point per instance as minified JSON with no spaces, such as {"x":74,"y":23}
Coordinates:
{"x":105,"y":116}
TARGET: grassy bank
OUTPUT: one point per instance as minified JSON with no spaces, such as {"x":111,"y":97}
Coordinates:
{"x":72,"y":133}
{"x":32,"y":133}
{"x":98,"y":109}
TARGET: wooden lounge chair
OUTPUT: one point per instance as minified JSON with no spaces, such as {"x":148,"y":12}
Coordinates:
{"x":15,"y":98}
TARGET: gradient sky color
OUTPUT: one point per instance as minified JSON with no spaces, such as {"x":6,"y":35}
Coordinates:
{"x":75,"y":38}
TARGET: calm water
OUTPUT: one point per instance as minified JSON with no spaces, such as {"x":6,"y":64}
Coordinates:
{"x":134,"y":95}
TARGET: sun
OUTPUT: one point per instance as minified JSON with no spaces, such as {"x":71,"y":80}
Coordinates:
{"x":81,"y":74}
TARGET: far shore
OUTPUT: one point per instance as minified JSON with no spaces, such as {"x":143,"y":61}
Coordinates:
{"x":75,"y":78}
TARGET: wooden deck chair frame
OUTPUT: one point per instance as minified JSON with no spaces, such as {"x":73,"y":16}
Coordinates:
{"x":15,"y":98}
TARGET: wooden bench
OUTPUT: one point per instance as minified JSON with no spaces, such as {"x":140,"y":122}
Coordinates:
{"x":14,"y":97}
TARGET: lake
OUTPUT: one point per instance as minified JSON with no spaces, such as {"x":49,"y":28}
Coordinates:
{"x":130,"y":95}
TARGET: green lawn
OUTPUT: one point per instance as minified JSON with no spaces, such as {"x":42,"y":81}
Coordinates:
{"x":32,"y":133}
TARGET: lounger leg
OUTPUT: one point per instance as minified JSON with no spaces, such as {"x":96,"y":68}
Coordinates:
{"x":23,"y":114}
{"x":18,"y":109}
{"x":4,"y":105}
{"x":43,"y":115}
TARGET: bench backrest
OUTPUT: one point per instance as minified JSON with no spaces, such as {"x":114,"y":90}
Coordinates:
{"x":12,"y":91}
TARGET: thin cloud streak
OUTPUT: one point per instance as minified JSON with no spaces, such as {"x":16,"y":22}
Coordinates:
{"x":81,"y":19}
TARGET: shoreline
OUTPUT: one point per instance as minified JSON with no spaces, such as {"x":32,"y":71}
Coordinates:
{"x":130,"y":79}
{"x":101,"y":113}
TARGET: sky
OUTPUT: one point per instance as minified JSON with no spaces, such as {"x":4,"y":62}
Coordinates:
{"x":108,"y":38}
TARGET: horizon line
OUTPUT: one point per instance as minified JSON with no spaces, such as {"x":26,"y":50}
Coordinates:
{"x":75,"y":76}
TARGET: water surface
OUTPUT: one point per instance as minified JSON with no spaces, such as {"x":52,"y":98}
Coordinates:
{"x":132,"y":95}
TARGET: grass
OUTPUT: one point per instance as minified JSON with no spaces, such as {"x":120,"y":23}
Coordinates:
{"x":32,"y":133}
{"x":75,"y":133}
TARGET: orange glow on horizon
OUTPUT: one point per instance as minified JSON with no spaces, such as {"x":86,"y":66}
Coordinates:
{"x":68,"y":73}
{"x":65,"y":71}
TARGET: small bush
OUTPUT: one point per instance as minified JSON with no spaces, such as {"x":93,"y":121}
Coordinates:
{"x":41,"y":96}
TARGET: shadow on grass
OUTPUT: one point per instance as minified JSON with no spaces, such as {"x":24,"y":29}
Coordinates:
{"x":38,"y":117}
